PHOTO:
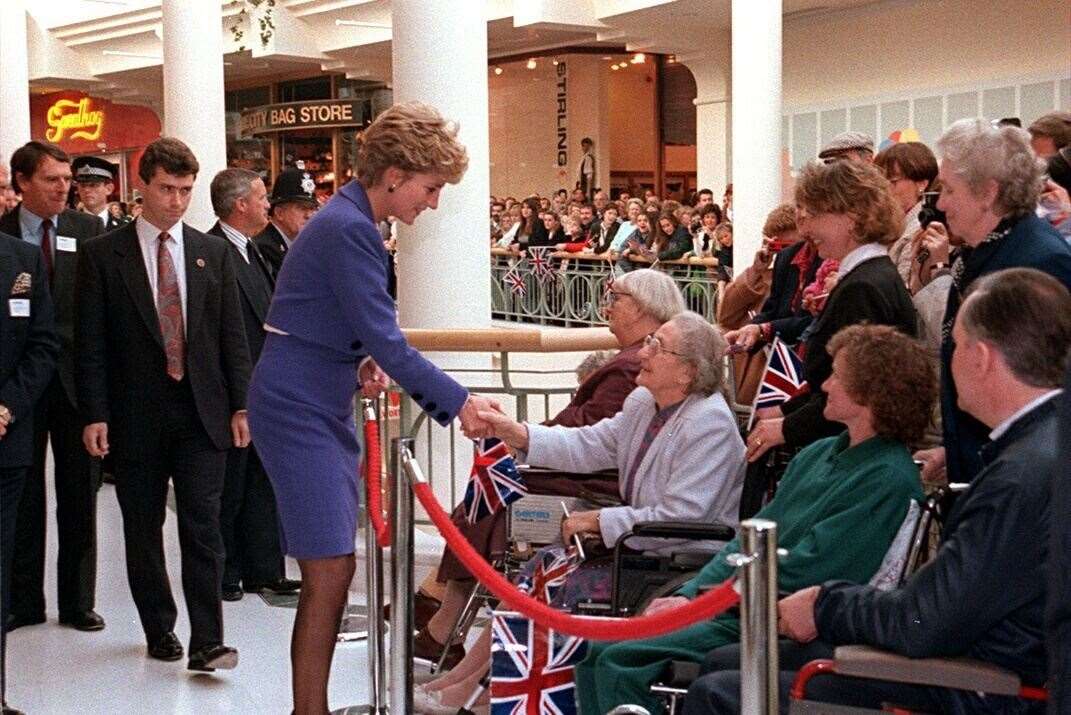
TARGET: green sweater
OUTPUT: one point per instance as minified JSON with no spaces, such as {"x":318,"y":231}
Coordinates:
{"x":829,"y":495}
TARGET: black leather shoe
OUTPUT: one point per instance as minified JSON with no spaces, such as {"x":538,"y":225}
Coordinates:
{"x":83,"y":621}
{"x":212,"y":657}
{"x":15,"y":620}
{"x":167,"y":647}
{"x":232,"y":592}
{"x":283,"y":586}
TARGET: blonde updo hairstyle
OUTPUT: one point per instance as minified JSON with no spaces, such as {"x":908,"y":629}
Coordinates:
{"x":413,"y":137}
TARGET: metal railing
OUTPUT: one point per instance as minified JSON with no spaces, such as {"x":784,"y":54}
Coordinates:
{"x":574,"y":297}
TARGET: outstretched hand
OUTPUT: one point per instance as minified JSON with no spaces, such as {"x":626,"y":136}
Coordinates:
{"x":372,"y":379}
{"x":473,"y":424}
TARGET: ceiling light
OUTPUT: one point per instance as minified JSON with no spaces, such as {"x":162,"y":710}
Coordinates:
{"x":638,"y":59}
{"x":607,"y":57}
{"x":554,"y":62}
{"x":531,"y":63}
{"x":615,"y":67}
{"x":498,"y":70}
{"x":359,"y":23}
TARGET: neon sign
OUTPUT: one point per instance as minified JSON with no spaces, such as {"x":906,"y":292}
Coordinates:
{"x":76,"y":118}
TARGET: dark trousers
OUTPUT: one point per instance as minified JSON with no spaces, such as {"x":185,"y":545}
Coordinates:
{"x":249,"y":522}
{"x":718,"y":691}
{"x":76,"y":481}
{"x":11,"y":481}
{"x":182,"y":452}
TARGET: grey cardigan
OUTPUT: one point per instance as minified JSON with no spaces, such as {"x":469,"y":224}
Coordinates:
{"x":693,"y":470}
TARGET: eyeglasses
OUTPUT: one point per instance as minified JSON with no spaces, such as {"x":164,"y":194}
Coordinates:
{"x":615,"y":295}
{"x":655,"y":344}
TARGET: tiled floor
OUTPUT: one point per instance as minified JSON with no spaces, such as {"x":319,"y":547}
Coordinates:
{"x":53,"y":670}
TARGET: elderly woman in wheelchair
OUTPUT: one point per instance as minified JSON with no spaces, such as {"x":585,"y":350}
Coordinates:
{"x":677,"y":448}
{"x":838,"y":508}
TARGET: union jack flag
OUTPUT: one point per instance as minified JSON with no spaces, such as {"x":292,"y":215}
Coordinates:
{"x":532,"y":667}
{"x":494,"y":481}
{"x":540,"y":263}
{"x":515,"y":281}
{"x":782,"y":380}
{"x":554,"y":564}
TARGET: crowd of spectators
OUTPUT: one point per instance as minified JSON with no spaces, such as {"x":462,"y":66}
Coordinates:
{"x":927,"y":297}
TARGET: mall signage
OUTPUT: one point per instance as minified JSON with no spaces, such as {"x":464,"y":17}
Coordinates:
{"x":301,"y":115}
{"x":77,"y":120}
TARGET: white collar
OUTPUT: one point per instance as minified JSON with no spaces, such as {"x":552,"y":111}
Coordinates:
{"x":859,"y":255}
{"x":1004,"y":426}
{"x":148,"y":230}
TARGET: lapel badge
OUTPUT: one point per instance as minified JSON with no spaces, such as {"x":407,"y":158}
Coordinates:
{"x":200,"y":263}
{"x":22,"y":284}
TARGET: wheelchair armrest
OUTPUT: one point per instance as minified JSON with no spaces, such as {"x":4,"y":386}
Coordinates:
{"x":959,"y":673}
{"x":695,"y":530}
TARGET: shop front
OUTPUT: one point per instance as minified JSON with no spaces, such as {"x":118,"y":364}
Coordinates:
{"x":317,"y":136}
{"x":81,"y":124}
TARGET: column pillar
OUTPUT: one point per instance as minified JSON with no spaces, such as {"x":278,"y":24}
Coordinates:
{"x":193,"y":93}
{"x":440,"y":58}
{"x":711,"y":70}
{"x":756,"y":120}
{"x":14,"y":79}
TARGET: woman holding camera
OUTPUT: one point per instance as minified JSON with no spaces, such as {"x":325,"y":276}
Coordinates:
{"x":911,"y":169}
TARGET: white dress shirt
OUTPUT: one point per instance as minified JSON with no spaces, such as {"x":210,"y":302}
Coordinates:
{"x":149,"y":240}
{"x":239,"y":239}
{"x":859,"y":255}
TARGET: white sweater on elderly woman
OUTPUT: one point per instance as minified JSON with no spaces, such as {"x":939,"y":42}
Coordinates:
{"x":693,"y":470}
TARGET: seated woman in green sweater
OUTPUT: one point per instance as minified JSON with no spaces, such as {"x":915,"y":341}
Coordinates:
{"x":837,"y":508}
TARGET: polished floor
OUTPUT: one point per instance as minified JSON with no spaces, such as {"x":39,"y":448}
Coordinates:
{"x":54,"y":670}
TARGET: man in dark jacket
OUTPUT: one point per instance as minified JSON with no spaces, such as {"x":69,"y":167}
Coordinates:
{"x":292,"y":205}
{"x":984,"y":594}
{"x":28,"y":357}
{"x":1058,"y":618}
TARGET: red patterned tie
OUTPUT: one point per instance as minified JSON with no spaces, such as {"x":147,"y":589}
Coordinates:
{"x":46,"y":245}
{"x":169,"y":310}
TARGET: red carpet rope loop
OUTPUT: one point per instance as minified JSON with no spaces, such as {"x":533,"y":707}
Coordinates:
{"x":702,"y":608}
{"x":372,"y":481}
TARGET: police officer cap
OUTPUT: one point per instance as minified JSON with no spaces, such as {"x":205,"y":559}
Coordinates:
{"x":294,"y":186}
{"x":847,"y":141}
{"x":93,"y":168}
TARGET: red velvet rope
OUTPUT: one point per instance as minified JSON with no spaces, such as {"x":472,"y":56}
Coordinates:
{"x":702,"y":608}
{"x":373,"y":487}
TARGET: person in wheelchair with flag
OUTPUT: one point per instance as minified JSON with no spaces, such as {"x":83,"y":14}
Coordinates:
{"x":681,"y":458}
{"x":840,"y":504}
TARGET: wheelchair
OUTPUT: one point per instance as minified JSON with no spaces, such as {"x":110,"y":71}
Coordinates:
{"x":908,"y":552}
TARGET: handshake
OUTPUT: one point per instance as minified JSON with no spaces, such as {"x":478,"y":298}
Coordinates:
{"x":480,"y":416}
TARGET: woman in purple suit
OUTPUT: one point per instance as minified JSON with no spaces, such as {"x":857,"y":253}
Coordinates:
{"x":332,"y":330}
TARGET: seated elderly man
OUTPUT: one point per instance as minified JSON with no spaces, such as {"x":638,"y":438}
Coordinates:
{"x":983,"y":596}
{"x":838,"y":507}
{"x":675,"y":444}
{"x":638,"y":304}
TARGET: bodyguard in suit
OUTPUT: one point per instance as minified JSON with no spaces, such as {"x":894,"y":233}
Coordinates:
{"x":163,"y":370}
{"x":292,"y":205}
{"x":29,"y":348}
{"x":42,"y":172}
{"x":94,"y":179}
{"x":254,"y":558}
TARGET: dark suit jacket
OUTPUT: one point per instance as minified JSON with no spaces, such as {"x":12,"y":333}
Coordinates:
{"x":872,"y":292}
{"x":79,"y":226}
{"x":254,"y":288}
{"x":983,"y":595}
{"x":272,"y":246}
{"x":29,"y":347}
{"x":122,"y":367}
{"x":1032,"y":243}
{"x":777,"y":309}
{"x":1058,"y":613}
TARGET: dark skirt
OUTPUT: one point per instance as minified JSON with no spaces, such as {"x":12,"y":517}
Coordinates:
{"x":488,"y":535}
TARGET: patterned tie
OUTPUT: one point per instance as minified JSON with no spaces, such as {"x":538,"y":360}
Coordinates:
{"x":169,"y":311}
{"x":46,"y":246}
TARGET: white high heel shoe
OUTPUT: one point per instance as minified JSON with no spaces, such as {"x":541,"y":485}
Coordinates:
{"x":430,"y":703}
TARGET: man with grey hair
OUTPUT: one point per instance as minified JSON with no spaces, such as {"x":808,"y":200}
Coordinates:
{"x":254,"y":558}
{"x":990,"y":183}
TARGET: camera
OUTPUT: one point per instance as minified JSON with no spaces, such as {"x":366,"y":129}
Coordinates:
{"x":929,"y":212}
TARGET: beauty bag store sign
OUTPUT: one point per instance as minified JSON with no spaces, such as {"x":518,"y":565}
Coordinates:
{"x":300,"y":115}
